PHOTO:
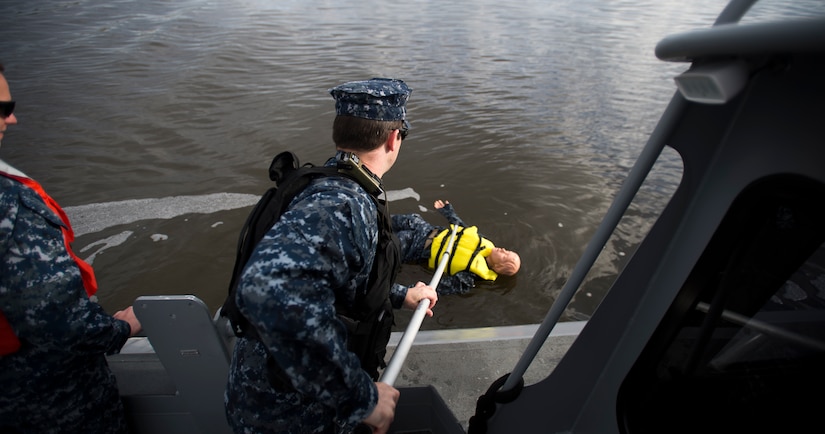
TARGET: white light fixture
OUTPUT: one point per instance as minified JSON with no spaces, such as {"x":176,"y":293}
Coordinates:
{"x":713,"y":83}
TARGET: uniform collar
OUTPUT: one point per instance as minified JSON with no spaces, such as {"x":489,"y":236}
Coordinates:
{"x":7,"y":168}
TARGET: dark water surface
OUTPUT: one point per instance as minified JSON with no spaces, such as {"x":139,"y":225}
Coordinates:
{"x":153,"y":122}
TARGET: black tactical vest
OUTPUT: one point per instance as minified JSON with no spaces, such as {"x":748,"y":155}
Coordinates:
{"x":370,"y":318}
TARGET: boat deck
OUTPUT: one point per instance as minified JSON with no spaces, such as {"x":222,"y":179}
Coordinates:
{"x":462,"y":364}
{"x":459,"y":364}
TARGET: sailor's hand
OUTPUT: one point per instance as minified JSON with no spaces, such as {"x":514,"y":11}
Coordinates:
{"x":383,"y":414}
{"x":128,"y":315}
{"x":419,"y":292}
{"x":440,"y":203}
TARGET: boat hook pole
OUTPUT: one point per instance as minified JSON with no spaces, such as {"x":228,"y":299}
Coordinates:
{"x":394,"y":366}
{"x":400,"y":353}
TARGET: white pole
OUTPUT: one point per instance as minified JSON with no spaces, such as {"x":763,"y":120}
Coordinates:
{"x":397,"y":359}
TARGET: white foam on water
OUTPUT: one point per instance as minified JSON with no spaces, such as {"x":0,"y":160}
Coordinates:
{"x":406,"y":193}
{"x":96,"y":217}
{"x":105,"y":243}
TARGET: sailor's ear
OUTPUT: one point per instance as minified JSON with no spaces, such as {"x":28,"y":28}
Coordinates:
{"x":393,"y":141}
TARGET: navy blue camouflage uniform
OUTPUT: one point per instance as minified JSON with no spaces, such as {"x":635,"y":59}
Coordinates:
{"x":58,"y":381}
{"x":321,"y":250}
{"x":320,"y":253}
{"x":414,"y":232}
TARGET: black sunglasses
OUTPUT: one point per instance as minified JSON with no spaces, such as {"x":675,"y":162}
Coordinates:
{"x":6,"y":108}
{"x":404,"y":130}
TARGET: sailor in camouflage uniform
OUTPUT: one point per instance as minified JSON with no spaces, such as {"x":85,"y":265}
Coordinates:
{"x":320,"y":252}
{"x":53,"y":373}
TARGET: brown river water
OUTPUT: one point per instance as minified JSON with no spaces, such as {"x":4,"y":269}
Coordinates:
{"x":153,"y":123}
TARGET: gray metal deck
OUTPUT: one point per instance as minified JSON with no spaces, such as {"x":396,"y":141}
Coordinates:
{"x":459,"y":364}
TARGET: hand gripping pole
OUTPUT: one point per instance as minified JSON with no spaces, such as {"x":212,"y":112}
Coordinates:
{"x":397,"y":359}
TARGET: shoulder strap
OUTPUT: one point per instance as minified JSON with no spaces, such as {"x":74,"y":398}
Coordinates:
{"x":383,"y":272}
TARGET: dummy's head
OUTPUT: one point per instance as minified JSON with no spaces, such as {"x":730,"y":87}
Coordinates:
{"x":504,"y":262}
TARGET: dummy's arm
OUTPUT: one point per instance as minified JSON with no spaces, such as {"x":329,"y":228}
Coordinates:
{"x":449,"y":213}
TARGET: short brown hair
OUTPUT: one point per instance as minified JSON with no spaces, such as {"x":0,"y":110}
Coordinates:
{"x":360,"y":134}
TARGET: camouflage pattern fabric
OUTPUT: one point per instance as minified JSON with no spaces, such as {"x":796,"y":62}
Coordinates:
{"x":321,"y":249}
{"x":59,"y":381}
{"x":379,"y":99}
{"x":413,"y":231}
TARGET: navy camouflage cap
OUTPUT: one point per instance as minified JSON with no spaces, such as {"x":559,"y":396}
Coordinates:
{"x":379,"y":99}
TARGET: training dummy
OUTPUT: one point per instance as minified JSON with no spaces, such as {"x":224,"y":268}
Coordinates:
{"x":474,"y":256}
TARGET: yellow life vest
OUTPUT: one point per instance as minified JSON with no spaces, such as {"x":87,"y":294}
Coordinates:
{"x":468,"y":254}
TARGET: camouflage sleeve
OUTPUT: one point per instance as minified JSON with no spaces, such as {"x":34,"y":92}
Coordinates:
{"x":41,"y":290}
{"x":459,"y":283}
{"x":398,"y":293}
{"x":321,"y":247}
{"x":449,"y":213}
{"x":412,"y":232}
